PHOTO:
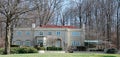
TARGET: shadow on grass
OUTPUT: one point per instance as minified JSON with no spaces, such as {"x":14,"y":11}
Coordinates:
{"x":108,"y":56}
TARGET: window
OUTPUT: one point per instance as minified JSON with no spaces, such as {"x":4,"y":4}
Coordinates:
{"x":38,"y":33}
{"x":27,"y":33}
{"x":75,"y":33}
{"x":27,"y":43}
{"x":41,"y":33}
{"x":49,"y":33}
{"x":58,"y":43}
{"x":18,"y":42}
{"x":58,"y":33}
{"x":40,"y":43}
{"x":76,"y":43}
{"x":19,"y":32}
{"x":73,"y":43}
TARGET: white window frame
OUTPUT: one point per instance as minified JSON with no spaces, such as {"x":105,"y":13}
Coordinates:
{"x":75,"y":33}
{"x":58,"y":33}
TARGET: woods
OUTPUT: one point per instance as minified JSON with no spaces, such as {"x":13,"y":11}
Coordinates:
{"x":101,"y":17}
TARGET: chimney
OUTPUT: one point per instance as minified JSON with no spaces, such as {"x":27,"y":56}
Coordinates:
{"x":33,"y":25}
{"x":83,"y":26}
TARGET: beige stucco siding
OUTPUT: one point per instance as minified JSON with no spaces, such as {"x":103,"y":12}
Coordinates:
{"x":65,"y":35}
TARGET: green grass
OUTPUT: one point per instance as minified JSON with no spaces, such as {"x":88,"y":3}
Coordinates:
{"x":62,"y":55}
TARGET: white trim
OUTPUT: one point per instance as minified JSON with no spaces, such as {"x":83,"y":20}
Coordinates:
{"x":96,"y":41}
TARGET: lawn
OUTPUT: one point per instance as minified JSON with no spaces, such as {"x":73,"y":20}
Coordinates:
{"x":62,"y":55}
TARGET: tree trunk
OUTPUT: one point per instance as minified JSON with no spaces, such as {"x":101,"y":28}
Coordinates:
{"x":80,"y":16}
{"x":7,"y":38}
{"x":11,"y":34}
{"x":118,"y":43}
{"x":117,"y":36}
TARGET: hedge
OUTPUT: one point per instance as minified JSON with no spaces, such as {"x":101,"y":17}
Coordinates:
{"x":111,"y":50}
{"x":18,"y":50}
{"x":15,"y":45}
{"x":39,"y":48}
{"x":54,"y":48}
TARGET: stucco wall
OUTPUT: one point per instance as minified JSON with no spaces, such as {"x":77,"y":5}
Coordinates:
{"x":65,"y":35}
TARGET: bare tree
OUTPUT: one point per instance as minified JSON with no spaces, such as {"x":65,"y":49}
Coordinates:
{"x":10,"y":10}
{"x":118,"y":24}
{"x":46,"y":10}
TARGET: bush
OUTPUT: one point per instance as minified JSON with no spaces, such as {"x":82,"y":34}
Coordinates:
{"x":27,"y":50}
{"x":18,"y":50}
{"x":40,"y":48}
{"x":70,"y":49}
{"x":22,"y":50}
{"x":1,"y":50}
{"x":59,"y":48}
{"x":14,"y":50}
{"x":15,"y":45}
{"x":99,"y":50}
{"x":81,"y":48}
{"x":111,"y":50}
{"x":54,"y":48}
{"x":32,"y":50}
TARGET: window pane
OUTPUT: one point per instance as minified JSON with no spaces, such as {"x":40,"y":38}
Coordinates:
{"x":41,"y":33}
{"x":27,"y":43}
{"x":75,"y":33}
{"x":76,"y":43}
{"x":19,"y":33}
{"x":58,"y":33}
{"x":27,"y":33}
{"x":40,"y":43}
{"x":18,"y":42}
{"x":49,"y":33}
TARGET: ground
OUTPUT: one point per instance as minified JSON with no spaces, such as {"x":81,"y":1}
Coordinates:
{"x":62,"y":55}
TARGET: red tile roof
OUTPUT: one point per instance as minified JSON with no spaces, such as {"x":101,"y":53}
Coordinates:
{"x":55,"y":26}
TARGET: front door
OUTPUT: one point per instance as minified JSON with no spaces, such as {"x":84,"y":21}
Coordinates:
{"x":39,"y":41}
{"x":58,"y":44}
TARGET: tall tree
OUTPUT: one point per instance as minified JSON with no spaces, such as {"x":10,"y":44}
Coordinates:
{"x":10,"y":10}
{"x":118,"y":24}
{"x":46,"y":10}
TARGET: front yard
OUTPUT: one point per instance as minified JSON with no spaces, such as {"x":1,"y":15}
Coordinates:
{"x":62,"y":55}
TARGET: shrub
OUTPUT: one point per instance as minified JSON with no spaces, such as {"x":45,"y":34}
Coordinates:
{"x":81,"y":48}
{"x":1,"y":50}
{"x":49,"y":48}
{"x":18,"y":50}
{"x":59,"y":48}
{"x":99,"y":50}
{"x":23,"y":50}
{"x":15,"y":45}
{"x":27,"y":50}
{"x":54,"y":48}
{"x":14,"y":50}
{"x":40,"y":48}
{"x":70,"y":49}
{"x":111,"y":50}
{"x":32,"y":50}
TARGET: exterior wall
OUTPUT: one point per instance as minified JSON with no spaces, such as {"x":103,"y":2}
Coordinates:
{"x":22,"y":35}
{"x":29,"y":34}
{"x":78,"y":38}
{"x":62,"y":35}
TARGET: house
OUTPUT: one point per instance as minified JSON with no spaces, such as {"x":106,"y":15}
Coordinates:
{"x":49,"y":35}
